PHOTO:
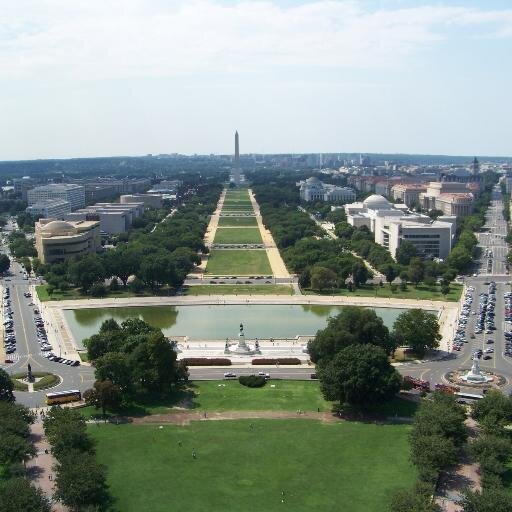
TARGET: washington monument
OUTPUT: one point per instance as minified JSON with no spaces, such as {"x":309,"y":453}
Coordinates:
{"x":236,"y":170}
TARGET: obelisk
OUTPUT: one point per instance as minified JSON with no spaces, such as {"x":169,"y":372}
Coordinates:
{"x":236,"y":170}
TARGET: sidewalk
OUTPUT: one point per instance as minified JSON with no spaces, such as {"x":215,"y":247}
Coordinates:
{"x":465,"y":475}
{"x":39,"y":469}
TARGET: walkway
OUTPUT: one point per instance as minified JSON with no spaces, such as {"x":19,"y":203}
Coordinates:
{"x":209,"y":237}
{"x":39,"y":468}
{"x":465,"y":475}
{"x":185,"y":417}
{"x":274,"y":256}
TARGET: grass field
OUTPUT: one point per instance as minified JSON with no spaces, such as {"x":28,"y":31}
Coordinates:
{"x":238,"y":262}
{"x":237,"y":221}
{"x":240,"y":289}
{"x":230,"y":395}
{"x":422,"y":292}
{"x":245,"y":465}
{"x":244,"y":235}
{"x":237,"y":207}
{"x":75,"y":293}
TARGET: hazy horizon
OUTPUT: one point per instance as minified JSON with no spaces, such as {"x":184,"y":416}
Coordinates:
{"x":89,"y":78}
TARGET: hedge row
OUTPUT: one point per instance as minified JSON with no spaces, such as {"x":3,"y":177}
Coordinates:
{"x":252,"y":381}
{"x":205,"y":361}
{"x":283,"y":360}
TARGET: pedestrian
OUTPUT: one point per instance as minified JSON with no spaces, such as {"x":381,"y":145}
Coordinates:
{"x":179,"y":444}
{"x":194,"y":454}
{"x":204,"y":414}
{"x":318,"y":409}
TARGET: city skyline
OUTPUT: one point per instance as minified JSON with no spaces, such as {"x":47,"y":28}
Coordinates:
{"x":311,"y":76}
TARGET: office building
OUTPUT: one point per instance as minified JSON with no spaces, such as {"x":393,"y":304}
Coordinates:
{"x":74,"y":194}
{"x":452,"y":198}
{"x":148,"y":200}
{"x":408,"y":193}
{"x":54,"y":208}
{"x":114,"y":218}
{"x":314,"y":190}
{"x":57,"y":240}
{"x":23,"y":185}
{"x":391,"y":224}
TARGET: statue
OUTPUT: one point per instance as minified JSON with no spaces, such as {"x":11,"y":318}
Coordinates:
{"x":30,"y":377}
{"x":241,"y":328}
{"x":257,"y":347}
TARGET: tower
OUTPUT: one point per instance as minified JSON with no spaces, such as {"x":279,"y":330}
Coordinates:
{"x":475,"y":167}
{"x":236,"y":170}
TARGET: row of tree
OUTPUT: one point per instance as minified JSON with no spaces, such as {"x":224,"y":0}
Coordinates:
{"x":136,"y":358}
{"x":436,"y":439}
{"x":80,"y":481}
{"x":161,"y":257}
{"x":16,"y":448}
{"x":352,"y":354}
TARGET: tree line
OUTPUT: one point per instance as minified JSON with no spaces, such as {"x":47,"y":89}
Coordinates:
{"x":161,"y":256}
{"x":352,"y":353}
{"x":132,"y":360}
{"x":16,"y":449}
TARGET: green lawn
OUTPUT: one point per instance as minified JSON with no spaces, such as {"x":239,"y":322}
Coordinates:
{"x":237,"y":208}
{"x":230,"y":395}
{"x":246,"y":235}
{"x":245,"y":465}
{"x":239,"y":289}
{"x":75,"y":293}
{"x":238,"y":262}
{"x":422,"y":292}
{"x":237,"y":221}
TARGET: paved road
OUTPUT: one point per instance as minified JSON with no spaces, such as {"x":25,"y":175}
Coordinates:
{"x":492,"y":240}
{"x":82,"y":377}
{"x":27,"y":346}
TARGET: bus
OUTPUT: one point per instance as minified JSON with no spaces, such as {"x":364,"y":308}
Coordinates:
{"x":60,"y":397}
{"x":463,"y":397}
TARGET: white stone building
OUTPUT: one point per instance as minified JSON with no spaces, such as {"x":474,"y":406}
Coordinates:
{"x":55,"y":208}
{"x":314,"y":190}
{"x":392,"y":224}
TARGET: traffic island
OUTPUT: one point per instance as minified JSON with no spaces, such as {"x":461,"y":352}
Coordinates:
{"x":38,"y":382}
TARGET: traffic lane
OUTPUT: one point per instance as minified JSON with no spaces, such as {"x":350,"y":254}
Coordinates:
{"x":202,"y":373}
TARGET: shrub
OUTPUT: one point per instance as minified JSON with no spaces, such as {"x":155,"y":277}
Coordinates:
{"x":98,"y":290}
{"x":252,"y":381}
{"x":283,"y":360}
{"x":205,"y":361}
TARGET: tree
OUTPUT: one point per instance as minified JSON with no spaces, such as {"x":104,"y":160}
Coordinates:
{"x":405,"y":252}
{"x":86,"y":271}
{"x":433,"y":452}
{"x":417,"y":329}
{"x":81,"y":482}
{"x":354,"y":325}
{"x":496,"y":406}
{"x":98,"y":290}
{"x":391,"y":272}
{"x":137,"y":286}
{"x":115,"y":367}
{"x":409,"y":500}
{"x":491,"y":499}
{"x":5,"y":263}
{"x":492,"y":453}
{"x":6,"y":387}
{"x":460,"y":258}
{"x":103,"y":395}
{"x":16,"y":494}
{"x":445,"y":289}
{"x":416,"y":270}
{"x":360,"y":273}
{"x":323,"y":279}
{"x":359,"y":375}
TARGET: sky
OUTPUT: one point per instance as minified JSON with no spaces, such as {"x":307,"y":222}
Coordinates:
{"x":85,"y":78}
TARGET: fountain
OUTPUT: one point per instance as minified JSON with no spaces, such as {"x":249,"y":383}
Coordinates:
{"x":475,"y":376}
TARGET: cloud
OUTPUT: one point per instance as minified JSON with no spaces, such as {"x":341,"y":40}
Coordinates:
{"x":115,"y":39}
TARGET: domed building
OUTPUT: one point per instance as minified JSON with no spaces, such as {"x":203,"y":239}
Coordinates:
{"x":393,"y":224}
{"x":313,"y":189}
{"x":58,"y":240}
